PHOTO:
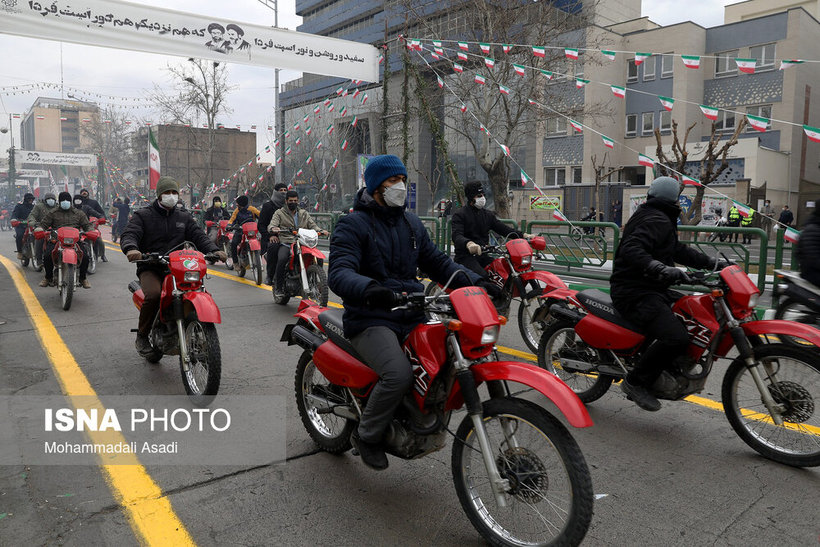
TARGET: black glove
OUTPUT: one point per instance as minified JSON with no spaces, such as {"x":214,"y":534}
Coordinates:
{"x":376,"y":296}
{"x":492,"y":289}
{"x":667,"y":274}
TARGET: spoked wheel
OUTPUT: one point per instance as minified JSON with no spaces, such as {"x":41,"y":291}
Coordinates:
{"x":67,"y":284}
{"x":792,"y":310}
{"x":36,"y":263}
{"x":315,"y":396}
{"x":256,"y":267}
{"x":792,"y":376}
{"x":205,"y":362}
{"x":530,"y":330}
{"x":549,"y":497}
{"x":241,"y":264}
{"x":317,"y":284}
{"x":226,"y":248}
{"x":25,"y":260}
{"x":92,"y":259}
{"x":562,"y":352}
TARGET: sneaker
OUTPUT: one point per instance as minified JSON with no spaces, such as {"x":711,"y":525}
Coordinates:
{"x":19,"y":255}
{"x":85,"y":284}
{"x":142,"y":344}
{"x":52,"y":282}
{"x":641,"y":396}
{"x":46,"y":282}
{"x":103,"y":259}
{"x":372,"y":454}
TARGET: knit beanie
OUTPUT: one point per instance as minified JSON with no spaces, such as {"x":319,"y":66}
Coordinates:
{"x":64,"y":196}
{"x":381,"y":168}
{"x":242,"y":201}
{"x":471,"y":190}
{"x":166,"y":183}
{"x":665,"y":188}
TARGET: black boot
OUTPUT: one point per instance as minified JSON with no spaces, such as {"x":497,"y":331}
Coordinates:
{"x":372,"y":453}
{"x":641,"y":396}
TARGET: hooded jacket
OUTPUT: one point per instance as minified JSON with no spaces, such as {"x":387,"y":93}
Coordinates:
{"x":22,"y":210}
{"x":215,"y":214}
{"x":808,"y":249}
{"x":95,"y":207}
{"x":473,"y":224}
{"x":39,"y":211}
{"x":155,"y":229}
{"x":386,"y":246}
{"x":276,"y":202}
{"x":71,"y":217}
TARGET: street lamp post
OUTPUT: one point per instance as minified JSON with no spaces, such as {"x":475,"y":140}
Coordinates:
{"x":12,"y":167}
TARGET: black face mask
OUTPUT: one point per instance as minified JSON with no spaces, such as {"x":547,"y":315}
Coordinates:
{"x":292,"y":206}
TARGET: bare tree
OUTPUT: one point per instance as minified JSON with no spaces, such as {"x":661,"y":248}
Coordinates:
{"x":712,"y":164}
{"x":109,"y":134}
{"x":601,"y":174}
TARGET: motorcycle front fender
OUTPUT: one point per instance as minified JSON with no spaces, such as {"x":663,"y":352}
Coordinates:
{"x":69,"y":256}
{"x":548,"y":279}
{"x":254,"y":244}
{"x":206,"y":309}
{"x":537,"y":378}
{"x":313,"y":251}
{"x":780,"y":326}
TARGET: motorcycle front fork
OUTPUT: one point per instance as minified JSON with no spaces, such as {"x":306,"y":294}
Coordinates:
{"x":179,"y":316}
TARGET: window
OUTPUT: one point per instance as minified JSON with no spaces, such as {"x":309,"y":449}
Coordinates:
{"x":554,"y":176}
{"x":649,"y":69}
{"x":556,"y":127}
{"x":666,"y":65}
{"x":666,"y":122}
{"x":725,"y":121}
{"x":764,"y":55}
{"x":631,"y":71}
{"x":647,"y":123}
{"x":725,"y":63}
{"x":576,"y":175}
{"x":631,"y":125}
{"x":763,"y":110}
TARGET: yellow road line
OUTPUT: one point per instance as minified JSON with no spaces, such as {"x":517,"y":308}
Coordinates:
{"x":150,"y":513}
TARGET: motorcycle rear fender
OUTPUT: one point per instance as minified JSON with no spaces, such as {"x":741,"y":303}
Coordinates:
{"x":309,"y":311}
{"x":342,"y":369}
{"x":206,"y":309}
{"x":254,"y":244}
{"x":561,"y":293}
{"x":549,"y":279}
{"x":537,"y":378}
{"x":313,"y":251}
{"x":780,"y":326}
{"x":69,"y":256}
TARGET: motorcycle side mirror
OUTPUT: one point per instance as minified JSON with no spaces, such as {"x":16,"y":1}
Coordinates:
{"x":538,"y":243}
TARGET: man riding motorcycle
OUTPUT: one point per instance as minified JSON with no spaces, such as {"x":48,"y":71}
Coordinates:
{"x":242,"y":214}
{"x":159,"y":228}
{"x":215,"y":213}
{"x":49,"y":203}
{"x":808,"y":249}
{"x":643,"y":270}
{"x":269,"y":248}
{"x":83,"y":204}
{"x":64,"y":215}
{"x":21,"y":212}
{"x":376,"y":252}
{"x":288,"y":218}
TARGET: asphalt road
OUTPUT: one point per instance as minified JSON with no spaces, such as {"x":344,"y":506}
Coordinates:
{"x":676,"y":477}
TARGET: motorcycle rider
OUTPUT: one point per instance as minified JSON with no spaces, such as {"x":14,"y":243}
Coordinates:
{"x":59,"y":217}
{"x":376,"y":251}
{"x":215,"y":213}
{"x":471,"y":230}
{"x":808,"y":249}
{"x":242,"y":214}
{"x":92,"y":203}
{"x":49,"y":203}
{"x":269,"y":248}
{"x":288,"y":218}
{"x":643,"y":270}
{"x":21,"y":212}
{"x":159,"y":228}
{"x":83,"y":205}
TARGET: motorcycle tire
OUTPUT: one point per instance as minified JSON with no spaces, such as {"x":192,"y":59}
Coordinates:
{"x":202,"y":379}
{"x":546,"y":471}
{"x":92,"y":260}
{"x":242,"y":264}
{"x":281,"y":300}
{"x":24,"y":261}
{"x":317,"y":284}
{"x":793,"y":379}
{"x":530,"y":331}
{"x":559,"y":340}
{"x":67,"y":285}
{"x":792,"y":310}
{"x":256,"y":266}
{"x":329,"y":431}
{"x":36,"y":263}
{"x":226,"y":248}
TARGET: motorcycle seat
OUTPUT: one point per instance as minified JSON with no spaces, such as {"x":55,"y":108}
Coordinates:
{"x":599,"y":303}
{"x":331,"y":322}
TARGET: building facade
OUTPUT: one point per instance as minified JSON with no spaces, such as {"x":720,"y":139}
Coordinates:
{"x":55,"y":125}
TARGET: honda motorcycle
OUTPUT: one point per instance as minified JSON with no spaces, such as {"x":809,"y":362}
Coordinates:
{"x":93,"y":253}
{"x":770,"y":390}
{"x":222,"y":239}
{"x":512,"y":271}
{"x":304,"y":276}
{"x":29,"y":246}
{"x":519,"y":474}
{"x":67,"y":255}
{"x":799,"y":301}
{"x":249,"y":252}
{"x":185,"y":324}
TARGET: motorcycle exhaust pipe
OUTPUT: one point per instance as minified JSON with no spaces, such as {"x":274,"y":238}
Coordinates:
{"x":304,"y":338}
{"x":560,"y":311}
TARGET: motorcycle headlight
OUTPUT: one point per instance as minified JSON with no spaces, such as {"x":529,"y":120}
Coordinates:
{"x":489,"y":335}
{"x":753,"y":300}
{"x":311,"y":241}
{"x":191,"y":276}
{"x":251,"y":233}
{"x":526,"y":260}
{"x":68,"y":241}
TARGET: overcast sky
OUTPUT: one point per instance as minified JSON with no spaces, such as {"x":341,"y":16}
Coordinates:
{"x":132,"y":74}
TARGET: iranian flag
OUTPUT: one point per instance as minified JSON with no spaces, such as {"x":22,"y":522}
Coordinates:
{"x":571,"y":53}
{"x":463,"y":107}
{"x":709,"y":112}
{"x":506,"y":48}
{"x":646,"y":161}
{"x":335,"y":164}
{"x":287,"y":134}
{"x":317,"y":109}
{"x":319,"y":145}
{"x":339,"y":91}
{"x":438,"y":50}
{"x":786,"y":63}
{"x":40,"y":117}
{"x":580,"y":82}
{"x":483,"y":129}
{"x":326,"y":102}
{"x":440,"y":82}
{"x":345,"y":145}
{"x":558,"y":215}
{"x":331,"y":108}
{"x":691,"y":61}
{"x":308,"y":160}
{"x":641,"y":57}
{"x":296,"y":126}
{"x":791,"y":235}
{"x":539,"y":51}
{"x":479,"y":79}
{"x":309,"y":130}
{"x":759,"y":123}
{"x":520,"y":70}
{"x":667,"y":102}
{"x":524,"y":178}
{"x":153,"y":160}
{"x":576,"y":126}
{"x":316,"y":207}
{"x":299,"y":173}
{"x":298,"y":141}
{"x":618,"y":91}
{"x":505,"y":148}
{"x":306,"y":118}
{"x":343,"y":113}
{"x":547,"y":73}
{"x":330,"y":129}
{"x":364,"y":98}
{"x":356,"y":93}
{"x":504,"y":90}
{"x":689,"y":181}
{"x":287,"y":151}
{"x":435,"y":56}
{"x":532,"y":103}
{"x":485,"y":48}
{"x":609,"y":143}
{"x":744,"y":210}
{"x":355,"y":121}
{"x":489,"y":62}
{"x":608,"y":54}
{"x":813,"y":133}
{"x":747,"y":66}
{"x":458,"y":68}
{"x":436,"y":43}
{"x":462,"y":56}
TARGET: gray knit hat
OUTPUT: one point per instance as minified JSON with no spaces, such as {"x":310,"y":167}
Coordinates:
{"x":166,"y":183}
{"x":664,"y":188}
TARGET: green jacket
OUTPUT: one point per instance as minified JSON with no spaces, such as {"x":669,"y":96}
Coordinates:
{"x":39,"y":211}
{"x":57,"y":218}
{"x":283,"y":220}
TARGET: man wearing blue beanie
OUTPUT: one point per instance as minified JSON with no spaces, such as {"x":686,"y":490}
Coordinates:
{"x":375,"y":253}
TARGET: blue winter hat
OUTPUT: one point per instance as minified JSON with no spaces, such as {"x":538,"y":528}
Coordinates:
{"x":381,"y":168}
{"x":665,"y":188}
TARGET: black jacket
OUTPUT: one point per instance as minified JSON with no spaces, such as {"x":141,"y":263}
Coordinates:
{"x":215,"y":214}
{"x":808,"y":249}
{"x":94,"y":205}
{"x":155,"y":229}
{"x":651,"y":234}
{"x":22,"y":211}
{"x":384,"y":245}
{"x":473,"y":224}
{"x":268,"y":208}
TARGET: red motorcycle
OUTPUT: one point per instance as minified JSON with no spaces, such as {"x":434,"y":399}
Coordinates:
{"x":512,"y":271}
{"x":93,"y":249}
{"x":305,"y":276}
{"x":185,"y":322}
{"x":4,"y":220}
{"x":222,"y":239}
{"x":67,"y":255}
{"x":249,"y":252}
{"x":29,"y":246}
{"x":519,"y":474}
{"x":769,"y":390}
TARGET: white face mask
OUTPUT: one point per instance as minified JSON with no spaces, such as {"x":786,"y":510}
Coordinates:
{"x":51,"y":202}
{"x":480,"y":202}
{"x":169,"y":200}
{"x":395,"y":195}
{"x":65,"y":205}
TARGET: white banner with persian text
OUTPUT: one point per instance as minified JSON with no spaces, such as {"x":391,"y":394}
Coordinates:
{"x":123,"y":25}
{"x":54,"y":158}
